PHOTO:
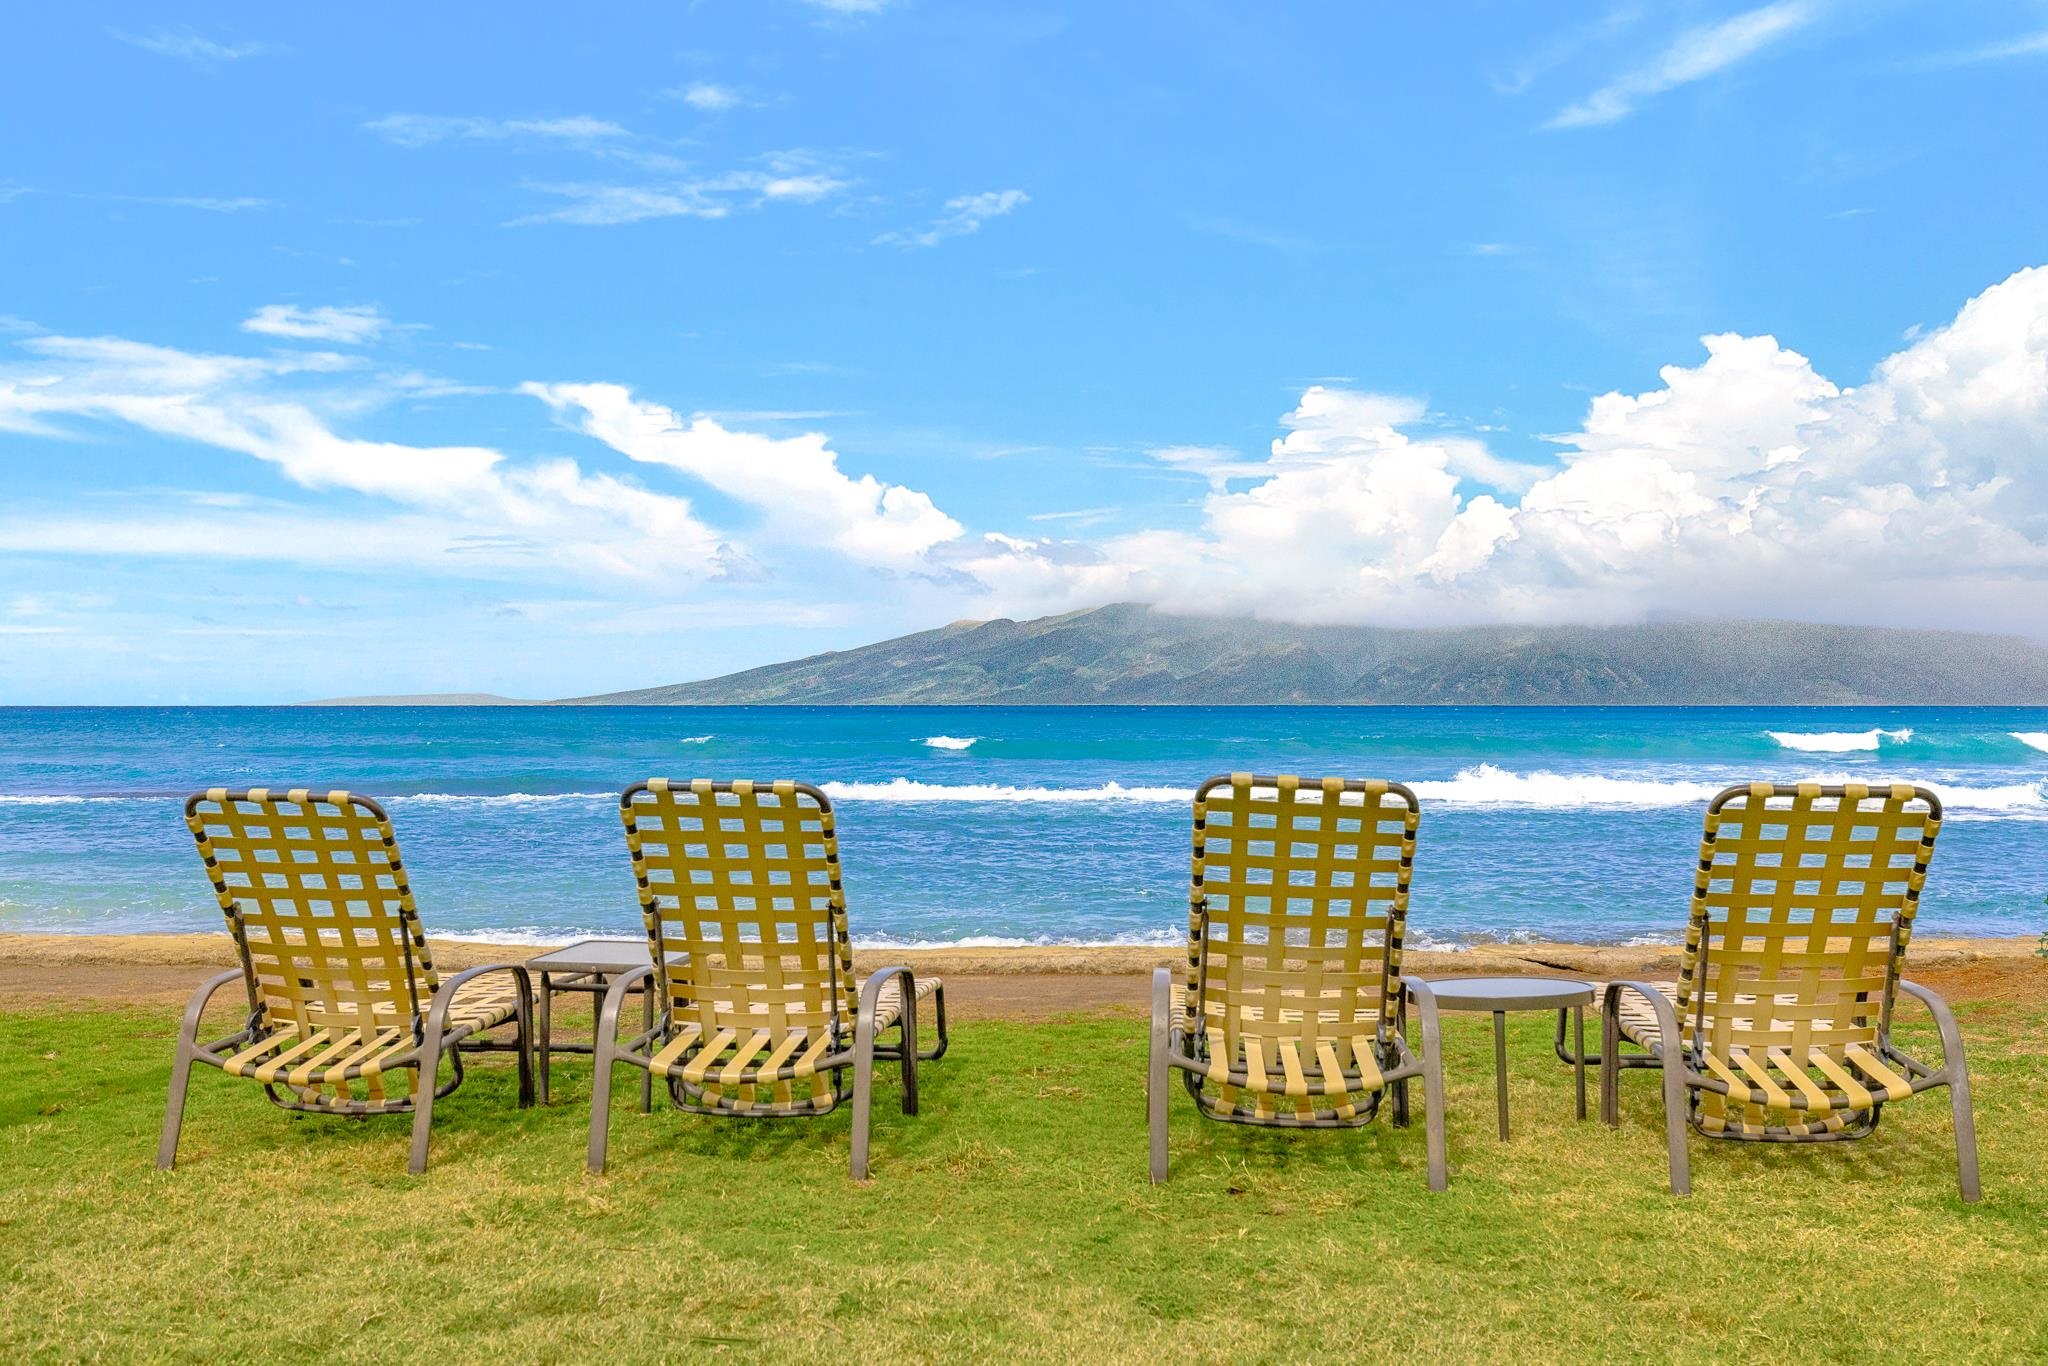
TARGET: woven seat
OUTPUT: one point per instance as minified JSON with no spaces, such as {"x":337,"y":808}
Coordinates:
{"x":346,"y":1012}
{"x":1802,"y":910}
{"x":760,"y":1013}
{"x":1292,"y":1010}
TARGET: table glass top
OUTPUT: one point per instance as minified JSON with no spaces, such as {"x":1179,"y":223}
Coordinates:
{"x":593,"y":955}
{"x":1509,"y":993}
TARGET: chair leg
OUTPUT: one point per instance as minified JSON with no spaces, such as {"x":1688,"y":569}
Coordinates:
{"x":1156,"y":1074}
{"x":1966,"y":1133}
{"x":546,"y":1007}
{"x":600,"y":1104}
{"x":939,"y":1023}
{"x":423,"y":1096}
{"x":1674,"y":1125}
{"x":908,"y":1028}
{"x":863,"y":1093}
{"x":1432,"y":1084}
{"x":1610,"y":1069}
{"x":174,"y":1108}
{"x":527,"y":1090}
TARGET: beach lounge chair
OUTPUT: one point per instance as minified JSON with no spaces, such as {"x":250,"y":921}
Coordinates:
{"x":1292,"y":1013}
{"x":1802,"y":908}
{"x":346,"y":1013}
{"x":760,"y":1015}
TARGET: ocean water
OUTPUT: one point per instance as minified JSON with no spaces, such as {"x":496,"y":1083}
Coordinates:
{"x":1042,"y":825}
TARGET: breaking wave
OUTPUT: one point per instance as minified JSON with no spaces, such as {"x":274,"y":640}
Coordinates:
{"x":2032,"y":739}
{"x":1838,"y":741}
{"x":953,"y":742}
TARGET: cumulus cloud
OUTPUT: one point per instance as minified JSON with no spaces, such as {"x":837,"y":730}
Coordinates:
{"x":1747,"y":484}
{"x":963,"y":215}
{"x":352,"y":325}
{"x":1693,"y":55}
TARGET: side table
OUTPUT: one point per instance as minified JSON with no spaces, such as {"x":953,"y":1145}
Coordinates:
{"x":1499,"y":995}
{"x":588,"y":966}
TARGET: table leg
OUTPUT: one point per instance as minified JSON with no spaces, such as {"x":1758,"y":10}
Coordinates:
{"x":546,"y":1023}
{"x":646,"y":1026}
{"x":1579,"y":1038}
{"x":1500,"y":1068}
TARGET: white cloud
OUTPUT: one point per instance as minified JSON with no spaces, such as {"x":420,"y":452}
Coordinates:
{"x":424,"y":130}
{"x":1747,"y":485}
{"x":710,"y":97}
{"x":2026,"y":45}
{"x":1693,"y":55}
{"x":601,"y":205}
{"x":204,"y":203}
{"x":189,"y":47}
{"x":461,"y":509}
{"x":1744,"y":483}
{"x":795,"y":481}
{"x":963,"y":215}
{"x":353,"y":325}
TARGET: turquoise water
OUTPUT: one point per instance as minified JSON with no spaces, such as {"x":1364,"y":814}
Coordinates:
{"x":1004,"y":825}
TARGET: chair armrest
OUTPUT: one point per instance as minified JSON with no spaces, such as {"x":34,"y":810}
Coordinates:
{"x":615,"y":1000}
{"x":1424,"y":996}
{"x":1164,"y":1026}
{"x":1667,"y":1017}
{"x":1944,"y":1024}
{"x":200,"y":999}
{"x":871,"y":993}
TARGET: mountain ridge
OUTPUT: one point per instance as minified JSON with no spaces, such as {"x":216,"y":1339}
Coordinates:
{"x":1129,"y":653}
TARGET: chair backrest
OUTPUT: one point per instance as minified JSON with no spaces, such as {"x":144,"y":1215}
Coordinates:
{"x":1297,"y":907}
{"x":319,"y":905}
{"x":746,"y":920}
{"x":1802,"y":907}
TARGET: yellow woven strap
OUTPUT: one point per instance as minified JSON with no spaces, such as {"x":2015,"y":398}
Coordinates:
{"x":1803,"y":898}
{"x":1297,"y":897}
{"x":740,"y":893}
{"x":315,"y":894}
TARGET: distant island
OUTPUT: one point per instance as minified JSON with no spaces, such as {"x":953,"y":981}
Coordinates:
{"x":426,"y":699}
{"x":1131,"y":654}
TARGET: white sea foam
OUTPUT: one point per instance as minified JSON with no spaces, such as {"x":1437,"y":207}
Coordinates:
{"x":1487,"y":785}
{"x":2032,"y":739}
{"x":1484,"y":785}
{"x":951,"y":741}
{"x":1838,"y":741}
{"x":910,"y":790}
{"x":61,"y":799}
{"x":696,"y":739}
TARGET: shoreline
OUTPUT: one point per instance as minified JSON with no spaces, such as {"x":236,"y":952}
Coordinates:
{"x":83,"y":970}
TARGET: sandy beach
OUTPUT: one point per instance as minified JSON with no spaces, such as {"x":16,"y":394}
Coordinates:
{"x":1003,"y":983}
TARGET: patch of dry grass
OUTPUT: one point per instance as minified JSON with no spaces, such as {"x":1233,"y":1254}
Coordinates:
{"x":1011,"y":1217}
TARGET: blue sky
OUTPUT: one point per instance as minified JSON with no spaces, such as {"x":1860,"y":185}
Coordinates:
{"x":542,"y":352}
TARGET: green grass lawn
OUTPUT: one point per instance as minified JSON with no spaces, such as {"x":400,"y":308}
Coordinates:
{"x":1011,"y":1218}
